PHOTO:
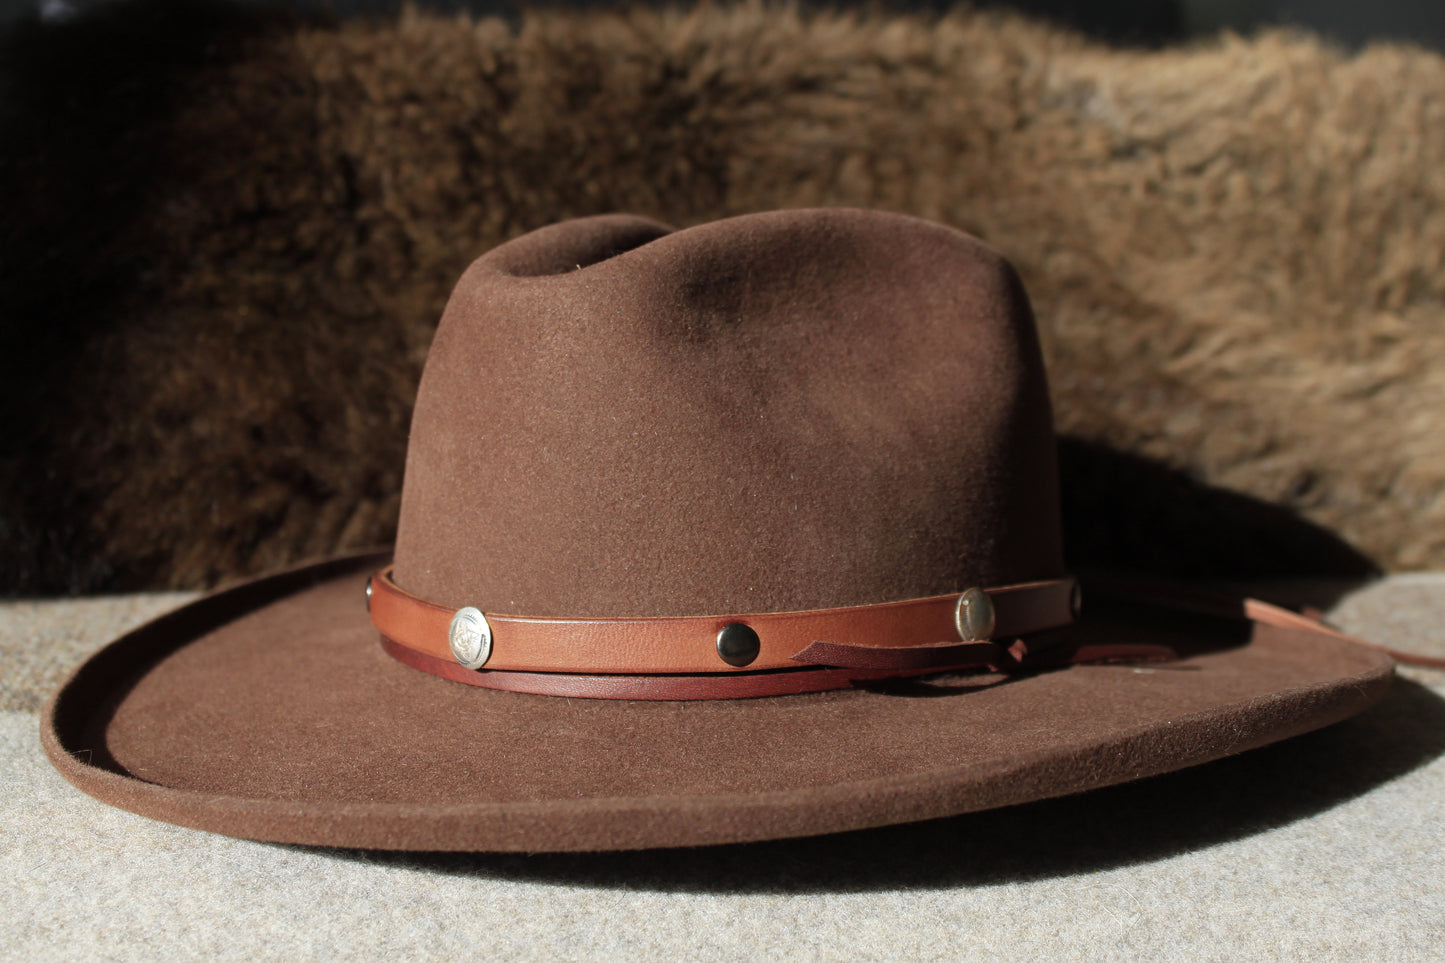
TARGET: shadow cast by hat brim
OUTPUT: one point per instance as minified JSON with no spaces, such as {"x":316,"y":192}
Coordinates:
{"x":269,"y":711}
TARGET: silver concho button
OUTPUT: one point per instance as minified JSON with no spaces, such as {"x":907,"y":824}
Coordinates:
{"x":470,"y":637}
{"x":974,"y":616}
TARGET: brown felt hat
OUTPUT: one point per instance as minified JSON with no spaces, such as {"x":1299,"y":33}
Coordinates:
{"x":738,"y":532}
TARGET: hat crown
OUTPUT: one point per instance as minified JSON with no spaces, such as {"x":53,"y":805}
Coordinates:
{"x":782,"y":411}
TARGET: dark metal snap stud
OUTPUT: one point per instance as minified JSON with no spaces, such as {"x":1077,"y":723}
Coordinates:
{"x":470,"y":637}
{"x":974,"y":616}
{"x":738,"y":644}
{"x":1076,"y":600}
{"x":368,"y":595}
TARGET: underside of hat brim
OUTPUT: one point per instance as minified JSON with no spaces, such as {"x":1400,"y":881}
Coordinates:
{"x":270,"y":711}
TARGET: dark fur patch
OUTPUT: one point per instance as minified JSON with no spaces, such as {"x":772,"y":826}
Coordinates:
{"x":226,"y":236}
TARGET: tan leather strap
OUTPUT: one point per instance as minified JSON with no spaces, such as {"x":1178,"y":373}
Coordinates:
{"x":688,"y":644}
{"x":920,"y":658}
{"x":1317,"y":623}
{"x":1208,"y":602}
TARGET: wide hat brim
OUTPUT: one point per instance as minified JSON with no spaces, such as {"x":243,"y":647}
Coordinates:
{"x":270,"y":711}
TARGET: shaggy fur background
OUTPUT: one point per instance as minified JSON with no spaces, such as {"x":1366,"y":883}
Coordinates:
{"x":225,"y":239}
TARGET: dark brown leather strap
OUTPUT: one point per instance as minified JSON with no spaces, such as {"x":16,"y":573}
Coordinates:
{"x":688,"y":645}
{"x":748,"y":685}
{"x":738,"y":685}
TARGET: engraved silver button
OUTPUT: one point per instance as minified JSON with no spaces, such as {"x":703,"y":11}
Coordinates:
{"x":470,"y":637}
{"x":368,"y":595}
{"x":974,"y":616}
{"x":738,"y":644}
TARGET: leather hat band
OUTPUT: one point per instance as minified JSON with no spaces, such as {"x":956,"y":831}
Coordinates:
{"x":696,"y":657}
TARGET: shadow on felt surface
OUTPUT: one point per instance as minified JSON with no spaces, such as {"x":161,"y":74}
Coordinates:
{"x":1125,"y":512}
{"x":1105,"y":829}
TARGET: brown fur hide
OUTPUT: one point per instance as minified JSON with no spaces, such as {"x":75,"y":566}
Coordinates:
{"x":227,"y":239}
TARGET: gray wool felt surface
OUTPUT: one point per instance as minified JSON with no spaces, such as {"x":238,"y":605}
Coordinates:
{"x":1324,"y":847}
